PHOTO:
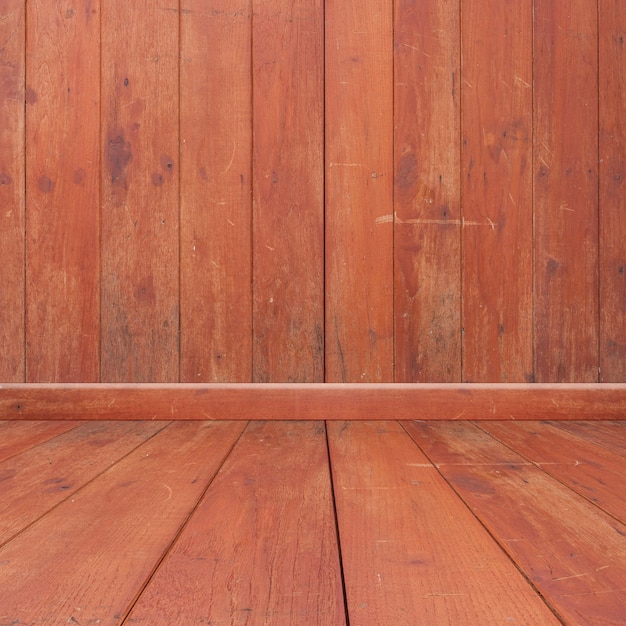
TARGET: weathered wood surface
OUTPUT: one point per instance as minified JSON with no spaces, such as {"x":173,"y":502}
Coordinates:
{"x":258,"y":401}
{"x":49,"y":473}
{"x":62,"y":267}
{"x":427,"y":194}
{"x":19,"y":436}
{"x":215,"y":186}
{"x":308,"y":191}
{"x":612,"y":197}
{"x":409,"y":546}
{"x":86,"y":560}
{"x":593,"y":471}
{"x":565,"y":160}
{"x":264,"y":531}
{"x":359,"y":191}
{"x":572,"y":552}
{"x":288,"y":190}
{"x":140,"y":193}
{"x":12,"y":200}
{"x":497,"y":246}
{"x":244,"y":523}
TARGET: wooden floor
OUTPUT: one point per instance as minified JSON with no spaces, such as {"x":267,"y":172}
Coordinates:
{"x":362,"y":523}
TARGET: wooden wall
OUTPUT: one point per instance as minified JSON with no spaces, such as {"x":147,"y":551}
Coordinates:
{"x":310,"y":190}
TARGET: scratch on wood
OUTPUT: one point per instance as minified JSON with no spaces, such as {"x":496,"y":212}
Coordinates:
{"x":170,"y":492}
{"x":385,"y":219}
{"x":581,"y":575}
{"x":347,"y":165}
{"x":232,"y":158}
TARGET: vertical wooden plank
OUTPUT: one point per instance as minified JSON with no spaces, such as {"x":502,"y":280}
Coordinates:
{"x":412,"y":551}
{"x":566,"y":191}
{"x":12,"y":66}
{"x":288,"y":189}
{"x":63,"y":164}
{"x":359,"y":191}
{"x":497,"y":191}
{"x":612,"y":91}
{"x":140,"y":249}
{"x":427,"y":235}
{"x":216,"y":151}
{"x":261,"y":548}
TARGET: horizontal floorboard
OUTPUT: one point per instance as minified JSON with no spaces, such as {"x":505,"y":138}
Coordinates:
{"x":573,"y":552}
{"x":16,"y":436}
{"x":88,"y":558}
{"x":264,"y":535}
{"x":232,"y":523}
{"x":590,"y":470}
{"x":314,"y":401}
{"x":412,"y":551}
{"x":47,"y":474}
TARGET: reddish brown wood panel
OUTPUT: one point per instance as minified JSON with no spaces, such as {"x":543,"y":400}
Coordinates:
{"x":12,"y":172}
{"x":427,"y":226}
{"x":612,"y":97}
{"x":566,"y":190}
{"x":288,"y":238}
{"x":574,"y":553}
{"x":109,"y":537}
{"x":263,"y":540}
{"x":16,"y":437}
{"x":46,"y":475}
{"x":324,"y":190}
{"x":359,"y":191}
{"x":592,"y":471}
{"x":409,"y":546}
{"x":215,"y":188}
{"x":496,"y":122}
{"x":62,"y":191}
{"x":311,"y":401}
{"x":608,"y":434}
{"x":140,"y":213}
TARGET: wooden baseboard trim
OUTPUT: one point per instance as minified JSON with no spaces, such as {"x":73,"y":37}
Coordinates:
{"x":315,"y":401}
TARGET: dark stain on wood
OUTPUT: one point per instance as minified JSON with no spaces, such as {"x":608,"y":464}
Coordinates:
{"x":118,"y":156}
{"x":45,"y":184}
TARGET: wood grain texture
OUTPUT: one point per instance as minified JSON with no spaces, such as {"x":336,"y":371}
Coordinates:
{"x":576,"y":560}
{"x":427,"y":226}
{"x":12,"y":173}
{"x":140,"y":213}
{"x":610,"y":435}
{"x":288,"y":191}
{"x":590,"y":470}
{"x":566,"y":191}
{"x":357,"y":401}
{"x":216,"y":205}
{"x":264,"y":536}
{"x":497,"y":258}
{"x":359,"y":191}
{"x":46,"y":475}
{"x":409,"y":546}
{"x":17,"y":437}
{"x":62,"y":191}
{"x":612,"y":150}
{"x":110,"y":535}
